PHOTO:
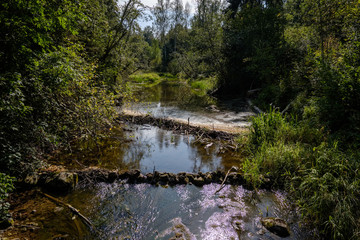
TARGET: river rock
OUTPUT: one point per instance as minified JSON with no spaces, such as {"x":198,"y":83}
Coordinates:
{"x":112,"y":176}
{"x":63,"y":181}
{"x":32,"y":179}
{"x":190,"y":177}
{"x":182,"y":179}
{"x":276,"y":225}
{"x":198,"y":181}
{"x":173,"y":179}
{"x":208,"y":178}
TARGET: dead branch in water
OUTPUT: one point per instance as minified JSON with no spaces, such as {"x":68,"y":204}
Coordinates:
{"x":223,"y":182}
{"x":73,"y":210}
{"x":178,"y":127}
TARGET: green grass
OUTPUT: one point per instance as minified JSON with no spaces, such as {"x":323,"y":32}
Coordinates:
{"x":322,"y":179}
{"x":149,"y":78}
{"x":152,"y":79}
{"x":203,"y":86}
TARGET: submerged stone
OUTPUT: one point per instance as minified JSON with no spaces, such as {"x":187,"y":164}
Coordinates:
{"x":276,"y":225}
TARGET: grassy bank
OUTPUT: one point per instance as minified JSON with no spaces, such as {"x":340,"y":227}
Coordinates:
{"x":305,"y":160}
{"x":200,"y":86}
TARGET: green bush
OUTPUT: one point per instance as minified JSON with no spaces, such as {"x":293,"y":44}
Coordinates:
{"x":59,"y":99}
{"x":6,"y":186}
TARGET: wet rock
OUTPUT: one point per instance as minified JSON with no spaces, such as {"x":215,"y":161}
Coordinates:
{"x":112,"y":176}
{"x":149,"y":177}
{"x":134,"y":173}
{"x":164,"y":178}
{"x":32,"y":179}
{"x":141,"y":178}
{"x":190,"y":177}
{"x":238,"y":179}
{"x":173,"y":180}
{"x":207,"y":178}
{"x":123,"y":175}
{"x":198,"y":181}
{"x":131,"y":175}
{"x":276,"y":225}
{"x":182,"y":179}
{"x":4,"y":224}
{"x":63,"y":181}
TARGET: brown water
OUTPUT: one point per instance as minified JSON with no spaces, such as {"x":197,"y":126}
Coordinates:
{"x":127,"y":211}
{"x":150,"y":148}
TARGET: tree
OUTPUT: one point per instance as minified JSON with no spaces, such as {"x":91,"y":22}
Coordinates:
{"x":254,"y":49}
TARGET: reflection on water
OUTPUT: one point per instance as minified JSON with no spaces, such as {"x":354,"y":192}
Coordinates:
{"x":149,"y":148}
{"x":177,"y":101}
{"x":142,"y":211}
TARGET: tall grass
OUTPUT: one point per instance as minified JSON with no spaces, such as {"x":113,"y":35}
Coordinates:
{"x":204,"y":85}
{"x":145,"y":78}
{"x":323,"y":180}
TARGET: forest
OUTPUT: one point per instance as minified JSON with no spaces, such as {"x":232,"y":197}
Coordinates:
{"x":66,"y":65}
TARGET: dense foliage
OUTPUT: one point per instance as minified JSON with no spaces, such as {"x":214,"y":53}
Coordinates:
{"x":64,"y":65}
{"x":61,"y":70}
{"x":322,"y":178}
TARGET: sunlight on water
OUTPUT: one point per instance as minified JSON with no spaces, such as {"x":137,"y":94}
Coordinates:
{"x":149,"y":148}
{"x":142,"y":211}
{"x":179,"y":103}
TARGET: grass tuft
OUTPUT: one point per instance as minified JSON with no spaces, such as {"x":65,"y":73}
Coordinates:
{"x":323,"y":180}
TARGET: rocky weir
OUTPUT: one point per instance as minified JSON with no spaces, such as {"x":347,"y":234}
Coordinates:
{"x":65,"y":181}
{"x":60,"y":183}
{"x":178,"y":127}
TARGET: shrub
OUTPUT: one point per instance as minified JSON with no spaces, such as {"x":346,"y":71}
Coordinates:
{"x":6,"y":186}
{"x":59,"y":99}
{"x":323,"y":180}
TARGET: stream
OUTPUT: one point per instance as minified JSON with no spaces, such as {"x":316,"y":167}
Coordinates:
{"x":178,"y":102}
{"x":141,"y":211}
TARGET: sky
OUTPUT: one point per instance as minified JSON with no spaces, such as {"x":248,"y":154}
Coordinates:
{"x":150,"y":3}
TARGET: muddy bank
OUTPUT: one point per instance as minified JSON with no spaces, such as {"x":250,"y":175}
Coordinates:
{"x":177,"y":127}
{"x":65,"y":181}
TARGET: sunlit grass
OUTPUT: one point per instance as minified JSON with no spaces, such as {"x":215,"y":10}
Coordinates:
{"x":203,"y":86}
{"x":300,"y":158}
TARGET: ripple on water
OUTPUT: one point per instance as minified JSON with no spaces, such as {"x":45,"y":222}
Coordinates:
{"x":143,"y":211}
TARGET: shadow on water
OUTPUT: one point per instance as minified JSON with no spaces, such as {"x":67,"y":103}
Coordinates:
{"x":142,"y":211}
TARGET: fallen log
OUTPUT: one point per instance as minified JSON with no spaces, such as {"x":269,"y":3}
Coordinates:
{"x":178,"y":127}
{"x":73,"y":210}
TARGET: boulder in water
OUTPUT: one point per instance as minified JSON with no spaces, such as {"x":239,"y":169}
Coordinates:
{"x":61,"y":182}
{"x":276,"y":225}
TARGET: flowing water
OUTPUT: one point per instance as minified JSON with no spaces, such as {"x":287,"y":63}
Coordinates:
{"x":141,"y":211}
{"x":179,"y":102}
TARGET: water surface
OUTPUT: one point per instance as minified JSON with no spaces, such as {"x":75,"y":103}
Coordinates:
{"x":179,"y":102}
{"x":150,"y":148}
{"x":142,"y":211}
